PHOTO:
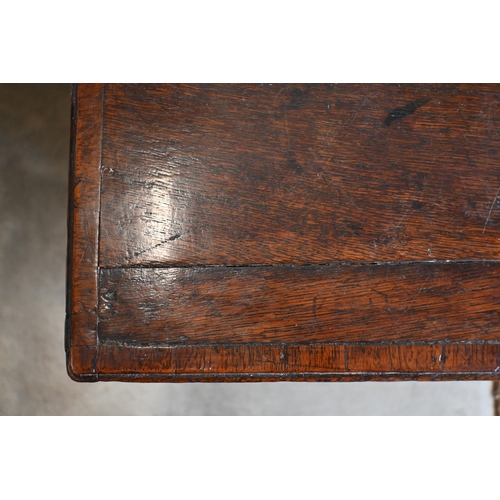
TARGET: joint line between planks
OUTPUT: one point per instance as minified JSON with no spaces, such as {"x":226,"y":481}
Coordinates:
{"x":313,"y":264}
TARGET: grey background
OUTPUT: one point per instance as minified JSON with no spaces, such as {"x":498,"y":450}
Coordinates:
{"x":34,"y":151}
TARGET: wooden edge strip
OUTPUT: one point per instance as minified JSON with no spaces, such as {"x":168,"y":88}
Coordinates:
{"x":83,"y":229}
{"x":69,"y":251}
{"x":496,"y":397}
{"x":81,"y":363}
{"x":299,"y":377}
{"x":299,"y":362}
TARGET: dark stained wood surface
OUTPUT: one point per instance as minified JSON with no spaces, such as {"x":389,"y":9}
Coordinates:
{"x":332,"y":303}
{"x":284,"y":361}
{"x":83,"y":231}
{"x":284,"y":232}
{"x":249,"y":174}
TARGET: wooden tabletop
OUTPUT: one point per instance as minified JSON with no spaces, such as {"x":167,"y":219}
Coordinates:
{"x":284,"y":232}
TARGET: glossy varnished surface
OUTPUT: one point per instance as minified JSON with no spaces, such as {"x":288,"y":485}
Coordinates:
{"x":284,"y":232}
{"x":285,"y":361}
{"x":249,"y":174}
{"x":356,"y":303}
{"x":83,"y":231}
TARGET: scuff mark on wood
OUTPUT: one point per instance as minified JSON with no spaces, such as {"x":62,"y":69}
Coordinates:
{"x":409,"y":109}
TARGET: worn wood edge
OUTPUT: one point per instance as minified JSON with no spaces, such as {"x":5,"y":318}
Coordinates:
{"x":495,"y":390}
{"x":315,"y":362}
{"x":83,"y":231}
{"x":299,"y":377}
{"x":70,"y":215}
{"x":81,"y":362}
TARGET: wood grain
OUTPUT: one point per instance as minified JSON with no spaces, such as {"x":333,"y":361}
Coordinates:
{"x":225,"y":233}
{"x":249,"y":174}
{"x":83,"y":231}
{"x":496,"y":398}
{"x":332,"y":303}
{"x":268,"y":362}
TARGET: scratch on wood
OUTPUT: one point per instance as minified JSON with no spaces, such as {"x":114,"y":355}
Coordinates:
{"x":412,"y":302}
{"x":491,"y":209}
{"x":172,"y":238}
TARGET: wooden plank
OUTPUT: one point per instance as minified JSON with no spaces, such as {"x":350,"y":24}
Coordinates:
{"x":246,"y":362}
{"x":249,"y":174}
{"x":422,"y":302}
{"x":83,"y":224}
